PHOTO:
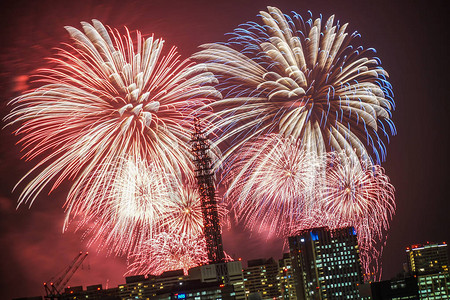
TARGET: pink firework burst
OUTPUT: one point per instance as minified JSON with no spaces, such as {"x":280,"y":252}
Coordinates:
{"x":168,"y":251}
{"x":184,"y":211}
{"x":359,"y":194}
{"x":272,"y":184}
{"x":131,"y":210}
{"x":107,"y":96}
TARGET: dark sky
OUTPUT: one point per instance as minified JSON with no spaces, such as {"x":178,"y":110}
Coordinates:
{"x":411,"y":40}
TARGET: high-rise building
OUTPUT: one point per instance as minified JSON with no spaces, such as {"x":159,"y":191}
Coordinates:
{"x":260,"y":277}
{"x":286,"y":283}
{"x":427,"y":259}
{"x":429,"y":263}
{"x":326,"y":263}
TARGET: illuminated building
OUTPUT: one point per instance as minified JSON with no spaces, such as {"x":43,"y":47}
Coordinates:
{"x":260,"y":277}
{"x":429,"y":263}
{"x":149,"y":286}
{"x":286,"y":281}
{"x":428,"y":258}
{"x":430,"y":286}
{"x":326,"y":263}
{"x":434,"y":286}
{"x":197,"y":290}
{"x":95,"y":292}
{"x":182,"y":289}
{"x":428,"y":275}
{"x":398,"y":289}
{"x":234,"y":276}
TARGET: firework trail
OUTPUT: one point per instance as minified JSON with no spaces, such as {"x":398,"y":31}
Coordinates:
{"x":130,"y":211}
{"x":273,"y":183}
{"x":105,"y":97}
{"x":184,"y":212}
{"x":179,"y":242}
{"x":142,"y":205}
{"x":304,"y":80}
{"x":359,"y":194}
{"x":168,"y":251}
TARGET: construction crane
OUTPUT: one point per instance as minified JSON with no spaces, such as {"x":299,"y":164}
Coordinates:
{"x":53,"y":291}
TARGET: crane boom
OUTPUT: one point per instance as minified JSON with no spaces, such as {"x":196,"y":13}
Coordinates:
{"x":54,"y":289}
{"x":76,"y":266}
{"x":66,"y":270}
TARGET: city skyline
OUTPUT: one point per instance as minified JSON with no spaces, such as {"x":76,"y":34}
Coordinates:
{"x":405,"y":148}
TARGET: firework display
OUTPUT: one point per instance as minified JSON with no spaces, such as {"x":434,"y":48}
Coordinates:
{"x":142,"y":203}
{"x":300,"y":111}
{"x":280,"y":188}
{"x":178,"y":241}
{"x":359,"y":194}
{"x":273,"y":183}
{"x":105,"y":97}
{"x":355,"y":190}
{"x":304,"y":80}
{"x":131,"y":211}
{"x":184,"y":212}
{"x":113,"y":115}
{"x":168,"y":251}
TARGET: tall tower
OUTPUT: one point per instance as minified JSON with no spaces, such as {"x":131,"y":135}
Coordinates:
{"x":205,"y":181}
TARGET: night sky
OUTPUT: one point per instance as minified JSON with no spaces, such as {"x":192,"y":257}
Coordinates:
{"x":411,"y":40}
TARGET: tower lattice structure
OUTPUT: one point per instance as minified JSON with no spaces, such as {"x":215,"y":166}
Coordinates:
{"x":205,"y":180}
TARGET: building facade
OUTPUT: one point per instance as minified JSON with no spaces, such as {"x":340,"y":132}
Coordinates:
{"x":149,"y":286}
{"x":326,"y":263}
{"x":261,"y":277}
{"x":395,"y":289}
{"x":286,"y":283}
{"x":427,"y":258}
{"x":228,"y":273}
{"x":434,"y":286}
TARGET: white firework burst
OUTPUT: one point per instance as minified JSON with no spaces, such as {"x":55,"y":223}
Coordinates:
{"x":305,"y":80}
